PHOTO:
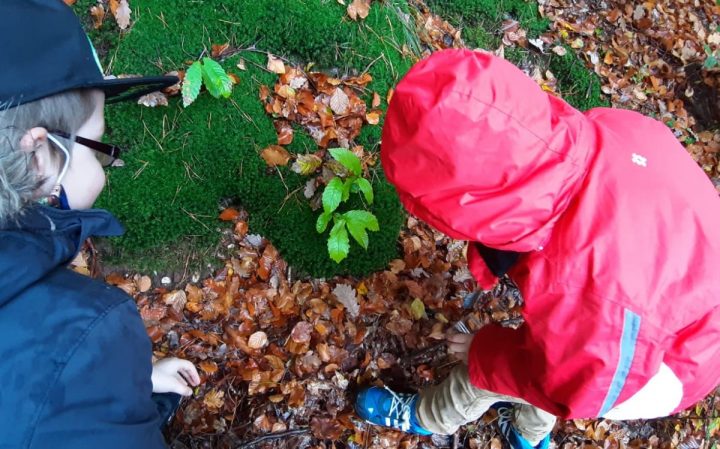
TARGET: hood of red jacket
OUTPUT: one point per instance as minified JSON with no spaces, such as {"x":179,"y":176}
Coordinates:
{"x":479,"y":151}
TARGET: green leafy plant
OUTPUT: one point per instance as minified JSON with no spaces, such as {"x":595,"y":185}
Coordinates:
{"x":354,"y":222}
{"x":712,"y":58}
{"x":209,"y":73}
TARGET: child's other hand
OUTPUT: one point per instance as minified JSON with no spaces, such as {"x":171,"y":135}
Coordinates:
{"x":173,"y":375}
{"x":459,"y":345}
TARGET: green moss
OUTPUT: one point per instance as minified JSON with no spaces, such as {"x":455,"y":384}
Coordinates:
{"x":183,"y":161}
{"x":481,"y":20}
{"x":579,"y":86}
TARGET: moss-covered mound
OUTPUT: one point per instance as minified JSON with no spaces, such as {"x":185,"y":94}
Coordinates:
{"x":183,"y":161}
{"x":481,"y":21}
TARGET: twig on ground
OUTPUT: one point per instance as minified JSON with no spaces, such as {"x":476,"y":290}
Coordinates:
{"x":272,"y":436}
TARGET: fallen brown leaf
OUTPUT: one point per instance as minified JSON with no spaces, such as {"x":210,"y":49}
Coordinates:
{"x":218,"y":50}
{"x":121,"y":10}
{"x":358,"y":9}
{"x":258,"y":340}
{"x":275,"y":155}
{"x":153,"y":99}
{"x":97,"y":13}
{"x":275,"y":65}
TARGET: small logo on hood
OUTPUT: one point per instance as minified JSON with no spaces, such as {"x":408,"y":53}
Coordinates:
{"x":640,"y":160}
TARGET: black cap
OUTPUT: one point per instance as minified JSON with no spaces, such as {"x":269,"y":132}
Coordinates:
{"x":44,"y":51}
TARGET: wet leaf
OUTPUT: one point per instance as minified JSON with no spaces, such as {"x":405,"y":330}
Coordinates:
{"x":217,"y":81}
{"x":275,"y":156}
{"x":306,"y":164}
{"x":358,"y":9}
{"x":373,"y":117}
{"x":301,"y":332}
{"x":326,"y":428}
{"x":346,"y":296}
{"x":229,"y":214}
{"x":417,"y":309}
{"x":144,"y":284}
{"x":339,"y":102}
{"x":121,"y":10}
{"x":375,"y":100}
{"x":332,"y":195}
{"x":208,"y":367}
{"x":192,"y":83}
{"x":214,"y":400}
{"x":97,"y":13}
{"x":258,"y":340}
{"x":284,"y":132}
{"x":338,"y":242}
{"x":348,"y":159}
{"x":219,"y":50}
{"x":275,"y":65}
{"x":153,"y":100}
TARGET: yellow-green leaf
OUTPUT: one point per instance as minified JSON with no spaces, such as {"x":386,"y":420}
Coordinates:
{"x":417,"y":309}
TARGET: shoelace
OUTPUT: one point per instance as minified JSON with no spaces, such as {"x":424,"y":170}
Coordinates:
{"x":505,"y":417}
{"x":399,"y":410}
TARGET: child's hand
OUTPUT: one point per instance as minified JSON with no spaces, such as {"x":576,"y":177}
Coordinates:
{"x":173,"y":375}
{"x":459,"y":345}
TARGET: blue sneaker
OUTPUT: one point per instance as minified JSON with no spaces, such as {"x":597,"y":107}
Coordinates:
{"x":512,"y":436}
{"x":384,"y":407}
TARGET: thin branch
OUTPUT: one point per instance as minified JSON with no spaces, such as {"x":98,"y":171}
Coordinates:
{"x":272,"y":436}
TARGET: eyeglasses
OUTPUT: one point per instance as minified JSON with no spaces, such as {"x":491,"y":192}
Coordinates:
{"x":106,"y":153}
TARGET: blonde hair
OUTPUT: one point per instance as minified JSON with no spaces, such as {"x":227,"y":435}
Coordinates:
{"x":66,"y":111}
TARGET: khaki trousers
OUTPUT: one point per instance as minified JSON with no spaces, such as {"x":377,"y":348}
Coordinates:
{"x":445,"y":407}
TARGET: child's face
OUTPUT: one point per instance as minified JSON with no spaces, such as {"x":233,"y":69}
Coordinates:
{"x":85,"y":178}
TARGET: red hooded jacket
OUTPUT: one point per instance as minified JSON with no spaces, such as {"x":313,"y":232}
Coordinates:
{"x":619,"y":230}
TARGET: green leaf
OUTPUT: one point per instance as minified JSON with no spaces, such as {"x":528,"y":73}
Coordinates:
{"x":417,"y":309}
{"x":332,"y":196}
{"x":710,"y":62}
{"x":346,"y":188}
{"x":358,"y":221}
{"x":191,"y":83}
{"x":322,"y":222}
{"x":363,"y":218}
{"x":357,"y":230}
{"x":216,"y":79}
{"x":366,"y":188}
{"x":338,"y":243}
{"x":348,"y":159}
{"x":306,"y":164}
{"x":714,"y":425}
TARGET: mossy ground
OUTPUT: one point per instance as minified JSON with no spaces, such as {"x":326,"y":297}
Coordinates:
{"x":184,"y":160}
{"x":481,"y":20}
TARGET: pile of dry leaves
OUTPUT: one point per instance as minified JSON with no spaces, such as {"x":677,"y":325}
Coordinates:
{"x":278,"y":354}
{"x":281,"y":359}
{"x":658,"y":57}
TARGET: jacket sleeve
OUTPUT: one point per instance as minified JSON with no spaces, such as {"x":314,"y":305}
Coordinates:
{"x":102,"y":396}
{"x":695,"y":357}
{"x":574,"y":362}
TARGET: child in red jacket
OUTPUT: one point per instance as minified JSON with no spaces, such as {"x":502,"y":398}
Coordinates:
{"x":602,"y":219}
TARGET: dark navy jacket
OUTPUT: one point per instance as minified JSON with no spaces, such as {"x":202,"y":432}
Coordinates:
{"x":75,"y":361}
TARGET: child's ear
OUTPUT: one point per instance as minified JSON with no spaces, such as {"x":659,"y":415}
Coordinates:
{"x":34,"y":139}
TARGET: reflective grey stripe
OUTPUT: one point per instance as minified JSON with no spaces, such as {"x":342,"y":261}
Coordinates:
{"x":631,"y":328}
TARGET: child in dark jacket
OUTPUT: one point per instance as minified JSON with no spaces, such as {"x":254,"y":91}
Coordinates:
{"x":76,"y":361}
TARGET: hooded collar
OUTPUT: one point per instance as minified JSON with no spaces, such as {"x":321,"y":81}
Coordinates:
{"x":43,"y":239}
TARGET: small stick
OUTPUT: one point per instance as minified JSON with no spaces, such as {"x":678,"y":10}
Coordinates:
{"x":272,"y":436}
